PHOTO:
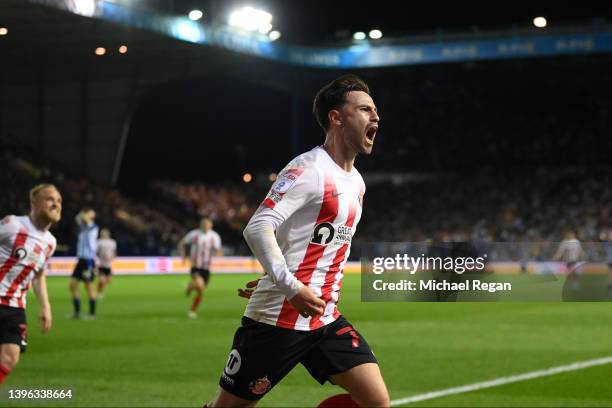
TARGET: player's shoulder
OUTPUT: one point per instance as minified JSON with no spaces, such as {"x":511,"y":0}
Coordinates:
{"x":305,"y":162}
{"x":50,"y":239}
{"x":10,"y":220}
{"x":358,"y":178}
{"x":301,"y":169}
{"x":193,"y":232}
{"x":10,"y":225}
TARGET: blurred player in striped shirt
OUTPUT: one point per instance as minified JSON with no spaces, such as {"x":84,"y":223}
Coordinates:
{"x":204,"y":243}
{"x":570,"y":251}
{"x":25,"y":246}
{"x":106,"y":251}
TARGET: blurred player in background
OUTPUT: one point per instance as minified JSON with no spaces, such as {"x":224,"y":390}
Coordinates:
{"x":84,"y":269}
{"x":25,"y":246}
{"x":570,"y":251}
{"x":203,"y":242}
{"x":106,"y":251}
{"x":301,"y":234}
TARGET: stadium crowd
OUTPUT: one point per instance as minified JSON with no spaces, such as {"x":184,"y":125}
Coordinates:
{"x":526,"y":204}
{"x":138,"y":228}
{"x":504,"y":161}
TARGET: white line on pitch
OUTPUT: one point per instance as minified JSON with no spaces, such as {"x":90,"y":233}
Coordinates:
{"x":504,"y":380}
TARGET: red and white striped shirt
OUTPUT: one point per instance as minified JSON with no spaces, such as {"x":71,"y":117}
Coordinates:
{"x":24,"y":251}
{"x":320,"y":205}
{"x":202,"y":246}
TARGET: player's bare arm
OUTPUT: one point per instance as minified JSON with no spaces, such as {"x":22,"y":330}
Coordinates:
{"x":39,"y":285}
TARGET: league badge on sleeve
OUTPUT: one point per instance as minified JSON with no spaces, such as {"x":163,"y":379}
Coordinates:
{"x":284,"y":182}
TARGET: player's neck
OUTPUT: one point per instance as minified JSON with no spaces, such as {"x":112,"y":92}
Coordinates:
{"x":39,"y":223}
{"x":339,"y":153}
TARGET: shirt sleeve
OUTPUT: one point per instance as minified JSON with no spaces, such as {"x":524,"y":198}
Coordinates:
{"x":8,"y":227}
{"x":293,"y":189}
{"x":217,"y":242}
{"x":188,"y":239}
{"x":260,"y":236}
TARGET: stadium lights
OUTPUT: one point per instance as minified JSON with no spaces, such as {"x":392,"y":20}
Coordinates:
{"x":85,"y":8}
{"x":272,"y":177}
{"x":123,"y":49}
{"x":3,"y":31}
{"x":540,"y":22}
{"x":251,"y":19}
{"x":247,"y":177}
{"x":274,"y":35}
{"x":359,"y":35}
{"x":195,"y":15}
{"x":265,"y":29}
{"x":375,"y":34}
{"x":100,"y":51}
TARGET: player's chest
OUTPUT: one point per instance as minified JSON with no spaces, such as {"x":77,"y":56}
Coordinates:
{"x":31,"y":253}
{"x":338,"y":215}
{"x":204,"y":241}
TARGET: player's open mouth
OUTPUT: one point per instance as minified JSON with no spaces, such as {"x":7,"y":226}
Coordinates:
{"x":371,"y":134}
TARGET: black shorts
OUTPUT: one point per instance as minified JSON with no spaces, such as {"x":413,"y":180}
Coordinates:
{"x":13,"y":326}
{"x":84,"y":270}
{"x":263,"y":354}
{"x":204,"y":273}
{"x":105,"y":271}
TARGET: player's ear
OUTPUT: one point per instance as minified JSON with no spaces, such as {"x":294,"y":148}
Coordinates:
{"x":335,"y":117}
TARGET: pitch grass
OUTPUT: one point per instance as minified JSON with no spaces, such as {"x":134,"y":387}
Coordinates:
{"x":142,"y":351}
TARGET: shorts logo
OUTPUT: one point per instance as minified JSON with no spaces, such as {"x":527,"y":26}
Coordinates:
{"x":323,"y":234}
{"x":233,"y":363}
{"x":21,"y":253}
{"x":260,"y":386}
{"x":227,"y":379}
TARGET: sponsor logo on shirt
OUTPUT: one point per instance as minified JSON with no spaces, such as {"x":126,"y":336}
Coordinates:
{"x":21,"y":253}
{"x":325,"y":233}
{"x":344,"y":235}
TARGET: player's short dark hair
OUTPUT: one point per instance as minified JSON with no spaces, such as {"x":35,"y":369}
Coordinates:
{"x":333,"y":95}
